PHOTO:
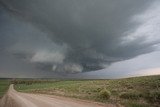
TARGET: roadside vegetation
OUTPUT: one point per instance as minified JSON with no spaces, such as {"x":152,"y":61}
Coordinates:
{"x":4,"y":84}
{"x":130,"y":92}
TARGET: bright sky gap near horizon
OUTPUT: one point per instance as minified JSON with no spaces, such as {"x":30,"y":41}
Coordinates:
{"x":79,"y":38}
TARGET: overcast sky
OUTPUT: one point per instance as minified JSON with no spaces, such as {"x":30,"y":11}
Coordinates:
{"x":79,"y":38}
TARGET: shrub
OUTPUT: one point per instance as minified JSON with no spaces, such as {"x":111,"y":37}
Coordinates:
{"x":135,"y":104}
{"x":153,"y":96}
{"x":105,"y":94}
{"x":131,"y":95}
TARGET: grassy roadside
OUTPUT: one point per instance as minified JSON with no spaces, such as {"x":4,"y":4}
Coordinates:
{"x":4,"y":84}
{"x":131,"y":92}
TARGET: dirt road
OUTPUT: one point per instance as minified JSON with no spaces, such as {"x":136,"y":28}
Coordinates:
{"x":17,"y":99}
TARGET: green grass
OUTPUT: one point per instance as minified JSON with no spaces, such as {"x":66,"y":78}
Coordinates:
{"x":4,"y":84}
{"x":136,"y":104}
{"x":131,"y":92}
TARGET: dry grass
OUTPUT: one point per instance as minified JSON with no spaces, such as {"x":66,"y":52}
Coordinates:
{"x":131,"y":92}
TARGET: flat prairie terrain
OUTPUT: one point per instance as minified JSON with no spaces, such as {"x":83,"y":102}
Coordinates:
{"x":129,"y":92}
{"x":18,"y":99}
{"x":4,"y":84}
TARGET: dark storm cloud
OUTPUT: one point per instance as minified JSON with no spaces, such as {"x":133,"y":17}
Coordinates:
{"x":73,"y":35}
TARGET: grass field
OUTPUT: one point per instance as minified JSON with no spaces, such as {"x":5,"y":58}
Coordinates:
{"x":130,"y":92}
{"x":4,"y":84}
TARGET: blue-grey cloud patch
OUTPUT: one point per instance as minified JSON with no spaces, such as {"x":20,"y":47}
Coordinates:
{"x":78,"y":35}
{"x":146,"y":64}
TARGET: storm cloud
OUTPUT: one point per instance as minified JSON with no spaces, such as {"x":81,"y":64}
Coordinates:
{"x":72,"y":36}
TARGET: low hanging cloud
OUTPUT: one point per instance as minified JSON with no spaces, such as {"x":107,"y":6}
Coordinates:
{"x":71,"y":36}
{"x":48,"y":57}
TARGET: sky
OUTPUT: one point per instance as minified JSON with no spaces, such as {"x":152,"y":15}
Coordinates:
{"x":79,"y":38}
